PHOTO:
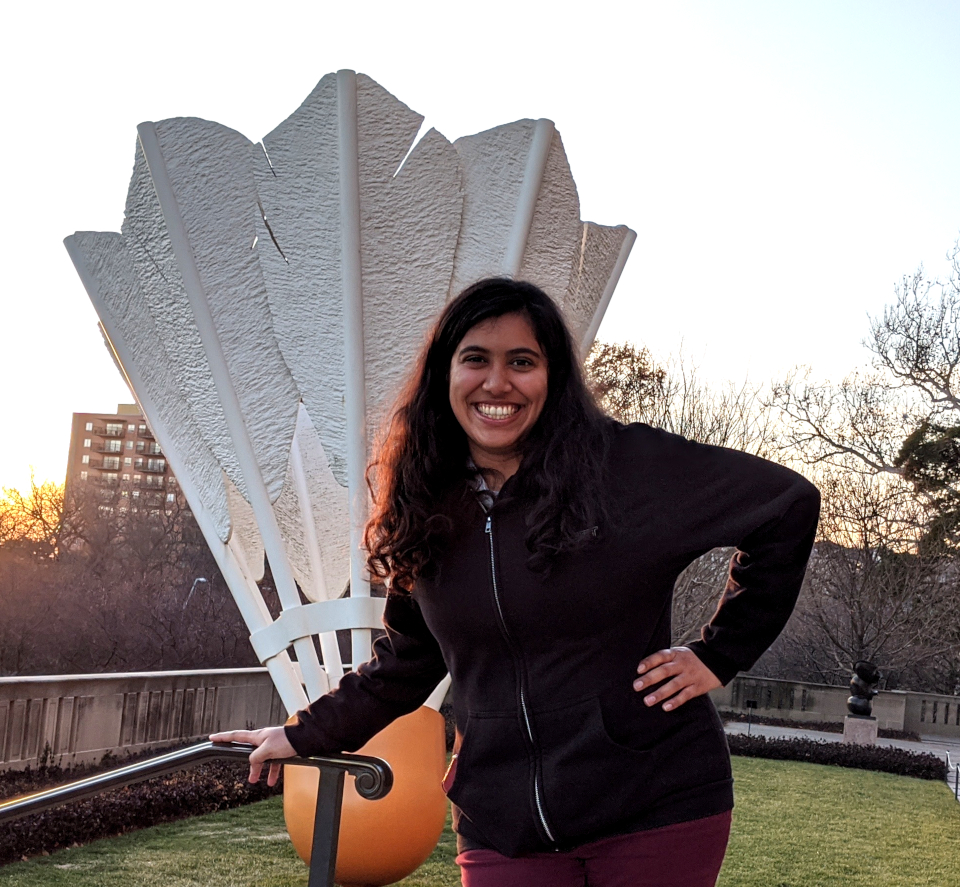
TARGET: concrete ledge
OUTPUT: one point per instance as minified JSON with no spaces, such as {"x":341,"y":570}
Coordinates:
{"x":71,"y":719}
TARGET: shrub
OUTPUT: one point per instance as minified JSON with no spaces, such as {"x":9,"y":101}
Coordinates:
{"x":840,"y":754}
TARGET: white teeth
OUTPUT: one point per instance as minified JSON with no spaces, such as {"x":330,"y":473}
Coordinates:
{"x":497,"y":411}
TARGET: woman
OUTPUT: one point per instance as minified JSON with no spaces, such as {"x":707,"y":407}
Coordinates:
{"x":532,"y":546}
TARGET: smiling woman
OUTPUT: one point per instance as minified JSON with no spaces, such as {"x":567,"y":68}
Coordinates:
{"x":498,"y":386}
{"x":531,"y":545}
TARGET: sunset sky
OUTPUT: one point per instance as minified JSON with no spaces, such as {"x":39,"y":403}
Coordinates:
{"x":784,"y":164}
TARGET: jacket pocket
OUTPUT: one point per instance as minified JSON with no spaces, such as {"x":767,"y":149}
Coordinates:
{"x":490,"y":782}
{"x":590,"y":781}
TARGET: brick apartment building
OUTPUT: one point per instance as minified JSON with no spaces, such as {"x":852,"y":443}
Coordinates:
{"x":115,"y":458}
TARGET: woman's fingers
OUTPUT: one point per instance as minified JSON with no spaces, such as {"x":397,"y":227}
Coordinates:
{"x":688,"y":677}
{"x":273,"y":775}
{"x":245,"y":736}
{"x":271,"y":744}
{"x":655,"y":659}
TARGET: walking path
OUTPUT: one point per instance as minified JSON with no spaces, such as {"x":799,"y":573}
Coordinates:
{"x":949,"y":749}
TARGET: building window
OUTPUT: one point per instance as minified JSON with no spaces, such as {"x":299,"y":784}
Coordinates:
{"x":126,"y":477}
{"x":131,"y":429}
{"x":113,"y":446}
{"x":111,"y":462}
{"x":86,"y":442}
{"x":127,"y":461}
{"x":83,"y":475}
{"x":142,"y":429}
{"x":129,"y":444}
{"x":85,"y":459}
{"x":136,"y":478}
{"x":171,"y":497}
{"x":89,"y":428}
{"x":136,"y":494}
{"x":114,"y":429}
{"x":171,"y":481}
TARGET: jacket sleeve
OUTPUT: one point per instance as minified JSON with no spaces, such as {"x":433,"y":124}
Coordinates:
{"x":406,"y":667}
{"x":724,"y":497}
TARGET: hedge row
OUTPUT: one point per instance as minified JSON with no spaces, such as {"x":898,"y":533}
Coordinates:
{"x":820,"y":726}
{"x":840,"y":754}
{"x":217,"y":785}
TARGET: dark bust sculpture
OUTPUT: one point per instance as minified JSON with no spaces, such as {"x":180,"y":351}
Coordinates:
{"x":863,"y":686}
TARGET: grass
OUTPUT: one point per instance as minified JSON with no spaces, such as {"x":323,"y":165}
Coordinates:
{"x":796,"y":825}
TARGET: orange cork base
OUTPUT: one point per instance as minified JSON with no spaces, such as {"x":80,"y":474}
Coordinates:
{"x":383,"y":841}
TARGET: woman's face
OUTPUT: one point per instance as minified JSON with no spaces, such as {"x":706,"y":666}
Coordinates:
{"x":498,"y":386}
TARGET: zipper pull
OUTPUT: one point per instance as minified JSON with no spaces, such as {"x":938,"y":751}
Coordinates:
{"x":489,"y":518}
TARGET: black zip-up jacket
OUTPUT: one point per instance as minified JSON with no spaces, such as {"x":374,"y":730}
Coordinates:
{"x":554,"y":747}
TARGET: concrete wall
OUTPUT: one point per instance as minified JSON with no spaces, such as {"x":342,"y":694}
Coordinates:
{"x":927,"y":714}
{"x":79,"y":718}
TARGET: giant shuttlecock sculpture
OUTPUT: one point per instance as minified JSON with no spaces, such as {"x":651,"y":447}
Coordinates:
{"x":263,"y":300}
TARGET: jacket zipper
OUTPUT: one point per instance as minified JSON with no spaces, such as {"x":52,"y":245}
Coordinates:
{"x":523,"y":700}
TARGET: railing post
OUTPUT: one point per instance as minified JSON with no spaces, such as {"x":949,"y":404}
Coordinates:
{"x":326,"y":829}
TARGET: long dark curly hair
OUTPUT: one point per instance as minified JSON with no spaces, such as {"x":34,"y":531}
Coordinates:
{"x":422,"y":476}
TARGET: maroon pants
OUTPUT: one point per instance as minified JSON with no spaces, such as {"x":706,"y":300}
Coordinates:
{"x":688,"y":854}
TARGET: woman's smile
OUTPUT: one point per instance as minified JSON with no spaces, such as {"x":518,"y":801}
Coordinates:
{"x":498,"y":386}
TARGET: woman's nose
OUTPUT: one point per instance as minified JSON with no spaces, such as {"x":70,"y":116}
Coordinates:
{"x":497,"y":381}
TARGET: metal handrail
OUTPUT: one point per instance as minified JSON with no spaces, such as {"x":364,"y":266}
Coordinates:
{"x":373,"y":779}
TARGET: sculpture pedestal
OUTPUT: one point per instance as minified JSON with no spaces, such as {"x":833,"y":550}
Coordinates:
{"x":860,"y":730}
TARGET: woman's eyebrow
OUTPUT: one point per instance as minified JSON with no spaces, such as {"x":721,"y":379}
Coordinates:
{"x":535,"y":352}
{"x":513,"y":352}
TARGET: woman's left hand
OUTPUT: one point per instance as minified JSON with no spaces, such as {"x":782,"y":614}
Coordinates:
{"x":689,"y":677}
{"x":271,"y":744}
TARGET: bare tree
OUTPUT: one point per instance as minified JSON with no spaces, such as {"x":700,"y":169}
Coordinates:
{"x":903,"y":418}
{"x":675,"y":397}
{"x":873,"y":593}
{"x":32,"y":520}
{"x":115,"y":596}
{"x":858,"y":425}
{"x":917,"y":339}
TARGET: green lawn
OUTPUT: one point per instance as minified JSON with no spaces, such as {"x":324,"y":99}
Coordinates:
{"x":796,"y":825}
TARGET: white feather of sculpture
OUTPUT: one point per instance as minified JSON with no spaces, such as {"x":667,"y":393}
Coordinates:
{"x":521,"y":219}
{"x":119,"y":301}
{"x":410,"y":218}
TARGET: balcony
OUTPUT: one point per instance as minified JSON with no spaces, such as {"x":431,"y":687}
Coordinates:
{"x":111,"y":429}
{"x":144,"y":431}
{"x":151,"y":466}
{"x":109,"y":446}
